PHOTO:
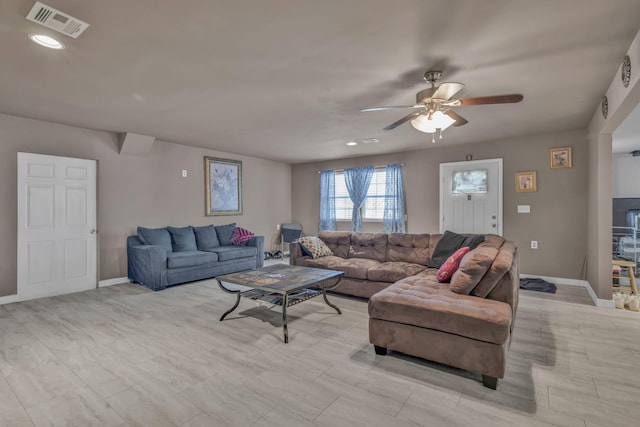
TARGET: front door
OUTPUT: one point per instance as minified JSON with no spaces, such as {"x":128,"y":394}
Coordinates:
{"x":57,"y":241}
{"x":471,"y":197}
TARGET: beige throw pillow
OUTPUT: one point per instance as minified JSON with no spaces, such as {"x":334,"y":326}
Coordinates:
{"x":314,"y":246}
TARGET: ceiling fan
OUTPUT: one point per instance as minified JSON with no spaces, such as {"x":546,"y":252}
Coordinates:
{"x":433,"y":105}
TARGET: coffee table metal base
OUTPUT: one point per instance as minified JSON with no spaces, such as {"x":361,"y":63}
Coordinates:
{"x":285,"y":303}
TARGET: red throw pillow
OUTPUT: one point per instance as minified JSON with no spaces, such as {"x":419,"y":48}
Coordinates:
{"x":450,"y":266}
{"x":241,"y":236}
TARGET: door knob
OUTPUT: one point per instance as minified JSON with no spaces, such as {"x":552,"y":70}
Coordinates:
{"x":93,"y":231}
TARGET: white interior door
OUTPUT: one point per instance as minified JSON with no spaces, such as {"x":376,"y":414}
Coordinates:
{"x":57,"y":239}
{"x":467,"y":205}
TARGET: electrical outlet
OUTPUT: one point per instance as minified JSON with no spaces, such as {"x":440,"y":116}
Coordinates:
{"x":184,"y":173}
{"x":534,"y":244}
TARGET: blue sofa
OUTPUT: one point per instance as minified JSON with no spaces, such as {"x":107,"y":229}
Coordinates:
{"x":161,"y":257}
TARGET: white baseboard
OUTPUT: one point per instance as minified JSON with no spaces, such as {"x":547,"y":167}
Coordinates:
{"x":9,"y":299}
{"x":608,"y":303}
{"x":101,"y":284}
{"x":114,"y":281}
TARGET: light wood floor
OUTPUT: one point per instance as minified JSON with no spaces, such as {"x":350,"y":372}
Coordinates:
{"x":123,"y":355}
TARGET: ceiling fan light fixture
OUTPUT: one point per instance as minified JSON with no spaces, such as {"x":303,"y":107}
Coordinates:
{"x":438,"y":120}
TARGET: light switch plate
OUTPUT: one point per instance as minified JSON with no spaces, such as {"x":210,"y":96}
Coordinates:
{"x":184,"y":173}
{"x":524,"y":209}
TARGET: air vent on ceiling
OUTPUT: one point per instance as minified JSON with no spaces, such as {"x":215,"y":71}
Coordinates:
{"x":52,"y":18}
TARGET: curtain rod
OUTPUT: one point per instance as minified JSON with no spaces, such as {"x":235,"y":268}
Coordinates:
{"x":375,"y":167}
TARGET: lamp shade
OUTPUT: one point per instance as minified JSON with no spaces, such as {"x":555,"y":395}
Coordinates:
{"x":438,"y":120}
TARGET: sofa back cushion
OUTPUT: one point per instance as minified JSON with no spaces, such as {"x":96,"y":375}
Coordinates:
{"x":183,"y":239}
{"x":369,"y":246}
{"x":473,"y":267}
{"x":206,"y":237}
{"x":499,"y":268}
{"x":493,"y":240}
{"x":156,"y":236}
{"x":507,"y":287}
{"x":338,"y":241}
{"x":412,"y":248}
{"x":224,"y":233}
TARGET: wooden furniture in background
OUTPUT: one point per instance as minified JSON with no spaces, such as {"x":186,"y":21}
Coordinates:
{"x":629,"y":266}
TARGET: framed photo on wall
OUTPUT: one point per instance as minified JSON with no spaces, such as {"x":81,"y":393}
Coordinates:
{"x":560,"y":158}
{"x":223,"y":186}
{"x":526,"y":182}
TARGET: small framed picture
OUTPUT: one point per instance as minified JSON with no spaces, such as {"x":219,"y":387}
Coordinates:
{"x":526,"y":182}
{"x":560,"y":158}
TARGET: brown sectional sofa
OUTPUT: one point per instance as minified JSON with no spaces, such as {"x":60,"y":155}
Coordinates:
{"x":466,"y":323}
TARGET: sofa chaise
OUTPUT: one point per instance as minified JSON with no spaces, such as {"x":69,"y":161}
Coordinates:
{"x":162,"y":257}
{"x":465,"y":323}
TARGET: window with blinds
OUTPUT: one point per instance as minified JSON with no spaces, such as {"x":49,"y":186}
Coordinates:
{"x":373,"y":207}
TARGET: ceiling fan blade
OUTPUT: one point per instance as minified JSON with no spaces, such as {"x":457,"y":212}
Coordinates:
{"x":390,"y":107}
{"x":447,"y":90}
{"x":511,"y":98}
{"x":457,"y":117}
{"x":425,"y":94}
{"x":402,"y":120}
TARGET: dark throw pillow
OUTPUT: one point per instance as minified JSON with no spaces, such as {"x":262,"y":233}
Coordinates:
{"x":447,"y":245}
{"x":472,"y":242}
{"x":224,"y":233}
{"x":206,"y":237}
{"x":183,"y":239}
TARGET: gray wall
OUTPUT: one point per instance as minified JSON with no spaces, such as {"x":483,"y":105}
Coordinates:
{"x":134,"y":191}
{"x":626,"y":175}
{"x":622,"y":101}
{"x":558,"y":215}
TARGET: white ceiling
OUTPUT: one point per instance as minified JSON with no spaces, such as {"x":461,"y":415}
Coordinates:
{"x":285,"y":79}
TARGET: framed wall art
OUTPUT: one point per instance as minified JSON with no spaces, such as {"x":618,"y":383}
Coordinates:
{"x":223,"y":186}
{"x":560,"y":158}
{"x":526,"y":182}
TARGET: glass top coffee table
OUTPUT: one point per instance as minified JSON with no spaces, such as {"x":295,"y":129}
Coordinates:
{"x":281,"y":284}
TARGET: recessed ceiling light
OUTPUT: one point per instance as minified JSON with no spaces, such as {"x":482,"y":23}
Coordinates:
{"x":46,"y":41}
{"x":352,"y":143}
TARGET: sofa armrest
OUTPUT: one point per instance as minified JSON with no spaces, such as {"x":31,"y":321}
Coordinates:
{"x":147,"y":265}
{"x":295,"y":253}
{"x":258,"y":242}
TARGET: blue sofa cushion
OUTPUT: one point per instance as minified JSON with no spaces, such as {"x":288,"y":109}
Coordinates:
{"x":206,"y":237}
{"x":228,"y":253}
{"x":224,"y":233}
{"x":156,"y":236}
{"x":183,"y":239}
{"x":189,"y":259}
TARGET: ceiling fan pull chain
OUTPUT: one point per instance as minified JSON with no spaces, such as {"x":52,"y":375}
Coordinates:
{"x":440,"y":133}
{"x":433,"y":138}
